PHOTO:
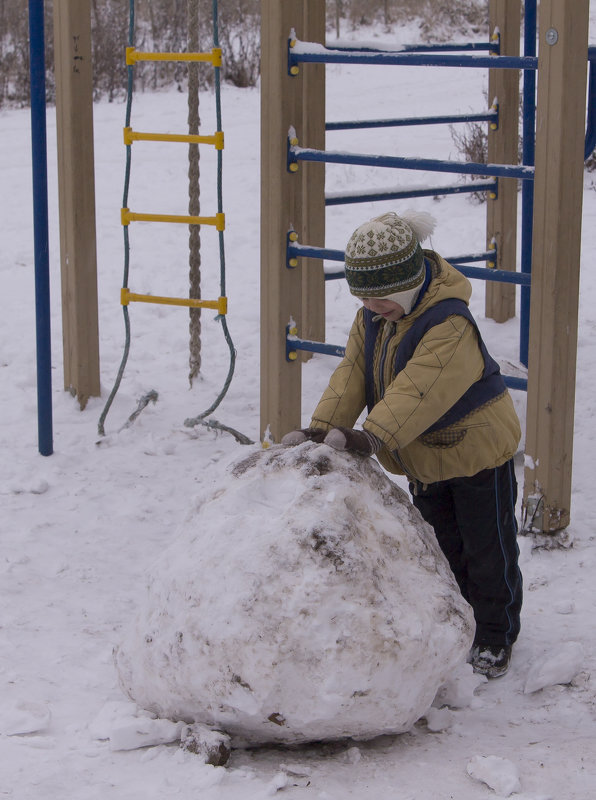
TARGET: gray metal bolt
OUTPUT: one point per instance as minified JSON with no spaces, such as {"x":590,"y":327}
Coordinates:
{"x":552,"y":36}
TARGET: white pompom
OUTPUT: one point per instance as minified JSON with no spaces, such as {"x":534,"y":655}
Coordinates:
{"x":421,"y":222}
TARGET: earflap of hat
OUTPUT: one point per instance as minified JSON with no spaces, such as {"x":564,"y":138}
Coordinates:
{"x":405,"y":299}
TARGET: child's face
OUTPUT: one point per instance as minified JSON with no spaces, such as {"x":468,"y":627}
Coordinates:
{"x":386,"y":308}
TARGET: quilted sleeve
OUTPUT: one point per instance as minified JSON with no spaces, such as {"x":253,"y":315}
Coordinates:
{"x":344,"y":398}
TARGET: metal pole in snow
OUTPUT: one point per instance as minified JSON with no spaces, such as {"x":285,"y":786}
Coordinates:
{"x":529,"y":146}
{"x":40,"y":226}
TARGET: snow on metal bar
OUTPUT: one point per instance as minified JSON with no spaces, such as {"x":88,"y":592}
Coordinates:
{"x":403,"y":162}
{"x":485,"y":255}
{"x":376,"y":47}
{"x":312,"y":52}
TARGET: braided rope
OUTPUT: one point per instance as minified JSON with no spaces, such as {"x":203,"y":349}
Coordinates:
{"x":199,"y":419}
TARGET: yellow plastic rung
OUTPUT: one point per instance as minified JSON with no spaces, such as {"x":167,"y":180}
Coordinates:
{"x":219,"y":220}
{"x":220,"y":305}
{"x":133,"y":56}
{"x":131,"y":136}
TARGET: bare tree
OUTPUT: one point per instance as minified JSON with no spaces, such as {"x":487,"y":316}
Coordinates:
{"x":161,"y":25}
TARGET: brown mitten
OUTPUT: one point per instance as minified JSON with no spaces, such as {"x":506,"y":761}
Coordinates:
{"x":361,"y":442}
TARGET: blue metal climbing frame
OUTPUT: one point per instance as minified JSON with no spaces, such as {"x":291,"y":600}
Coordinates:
{"x":40,"y":227}
{"x":303,"y":52}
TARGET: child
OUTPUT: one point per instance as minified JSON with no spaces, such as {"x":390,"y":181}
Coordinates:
{"x":438,"y":412}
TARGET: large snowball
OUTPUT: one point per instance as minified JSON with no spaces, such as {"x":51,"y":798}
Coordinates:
{"x":305,"y":599}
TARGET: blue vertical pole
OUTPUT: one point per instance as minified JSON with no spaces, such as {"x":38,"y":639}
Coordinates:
{"x":528,"y":154}
{"x":40,"y":226}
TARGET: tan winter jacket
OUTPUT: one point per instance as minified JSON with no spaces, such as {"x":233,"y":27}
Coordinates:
{"x":446,"y":362}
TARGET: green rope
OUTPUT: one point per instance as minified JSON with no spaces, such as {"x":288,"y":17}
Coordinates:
{"x":129,"y":93}
{"x":194,"y":197}
{"x":200,"y":419}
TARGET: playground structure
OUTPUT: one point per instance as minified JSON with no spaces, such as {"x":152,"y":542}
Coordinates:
{"x":292,"y":222}
{"x":293,"y":210}
{"x":74,"y":113}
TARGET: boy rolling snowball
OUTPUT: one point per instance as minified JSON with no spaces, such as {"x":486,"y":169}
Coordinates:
{"x":438,"y":412}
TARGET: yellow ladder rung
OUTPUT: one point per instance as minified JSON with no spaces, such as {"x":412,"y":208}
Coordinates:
{"x":133,"y":56}
{"x":131,"y":136}
{"x":220,"y":305}
{"x":219,"y":220}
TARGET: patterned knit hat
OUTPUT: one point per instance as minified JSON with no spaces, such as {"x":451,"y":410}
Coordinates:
{"x":384,"y":258}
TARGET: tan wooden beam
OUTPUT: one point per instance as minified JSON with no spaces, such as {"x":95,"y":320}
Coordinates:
{"x":312,"y":175}
{"x":555,"y":262}
{"x":501,"y":218}
{"x":281,"y":210}
{"x":76,"y":191}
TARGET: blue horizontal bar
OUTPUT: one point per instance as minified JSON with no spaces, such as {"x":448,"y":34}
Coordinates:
{"x":335,"y":276}
{"x":407,"y":121}
{"x":402,"y":162}
{"x":482,"y":273}
{"x":326,"y":56}
{"x":496,"y":275}
{"x":315,"y":347}
{"x":296,"y":250}
{"x":339,"y":351}
{"x":305,"y":251}
{"x":516,"y":383}
{"x":340,"y":199}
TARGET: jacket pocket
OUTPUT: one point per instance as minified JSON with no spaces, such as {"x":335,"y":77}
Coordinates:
{"x":448,"y":437}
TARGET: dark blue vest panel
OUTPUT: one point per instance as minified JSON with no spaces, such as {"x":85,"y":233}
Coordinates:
{"x":490,"y":385}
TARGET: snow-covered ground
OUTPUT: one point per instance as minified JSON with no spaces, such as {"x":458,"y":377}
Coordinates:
{"x":80,"y":528}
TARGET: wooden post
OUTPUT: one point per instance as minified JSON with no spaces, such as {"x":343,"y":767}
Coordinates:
{"x":555,"y":263}
{"x":281,"y":210}
{"x":312,"y":174}
{"x":76,"y":192}
{"x":501,"y":218}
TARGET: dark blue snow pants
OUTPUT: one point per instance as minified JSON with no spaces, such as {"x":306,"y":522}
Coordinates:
{"x":474,"y":522}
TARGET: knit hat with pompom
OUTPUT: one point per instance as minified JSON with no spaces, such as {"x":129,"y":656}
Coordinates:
{"x":384,"y":258}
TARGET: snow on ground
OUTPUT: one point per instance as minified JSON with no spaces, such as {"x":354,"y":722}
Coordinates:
{"x":79,"y":528}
